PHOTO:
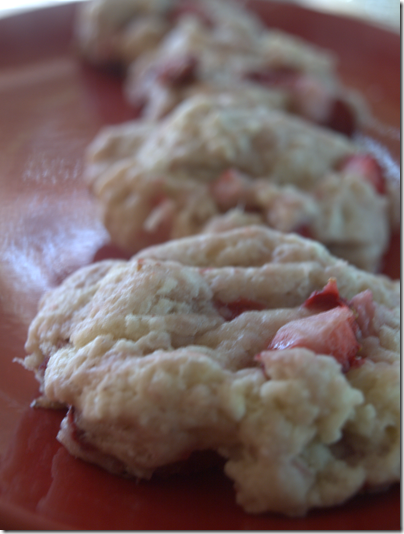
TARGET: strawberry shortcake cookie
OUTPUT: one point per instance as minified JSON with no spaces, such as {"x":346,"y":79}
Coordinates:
{"x":258,"y":345}
{"x":216,"y":163}
{"x":265,"y":66}
{"x":170,"y":50}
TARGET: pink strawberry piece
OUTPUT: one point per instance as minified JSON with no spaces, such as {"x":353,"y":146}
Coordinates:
{"x":327,"y":298}
{"x":231,"y":310}
{"x":368,"y":168}
{"x":331,"y":332}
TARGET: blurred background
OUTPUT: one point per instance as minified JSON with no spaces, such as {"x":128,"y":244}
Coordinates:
{"x":384,"y":13}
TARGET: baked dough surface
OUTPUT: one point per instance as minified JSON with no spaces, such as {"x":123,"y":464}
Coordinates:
{"x":192,"y":345}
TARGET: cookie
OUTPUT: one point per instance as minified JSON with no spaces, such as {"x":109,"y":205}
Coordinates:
{"x":170,"y":50}
{"x":218,"y":163}
{"x":268,"y":67}
{"x":252,"y":343}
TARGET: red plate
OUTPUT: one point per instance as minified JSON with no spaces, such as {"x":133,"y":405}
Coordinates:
{"x":51,"y":106}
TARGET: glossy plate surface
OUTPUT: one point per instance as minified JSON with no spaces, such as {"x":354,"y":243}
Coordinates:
{"x":51,"y":106}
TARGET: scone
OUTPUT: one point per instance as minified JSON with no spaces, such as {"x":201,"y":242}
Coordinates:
{"x":216,"y":163}
{"x":255,"y":344}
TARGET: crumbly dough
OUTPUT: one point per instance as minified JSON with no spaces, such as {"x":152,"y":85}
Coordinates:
{"x":218,"y":163}
{"x":186,"y":347}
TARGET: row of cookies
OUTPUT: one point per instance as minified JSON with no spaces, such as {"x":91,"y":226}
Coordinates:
{"x":236,"y":335}
{"x":233,"y":132}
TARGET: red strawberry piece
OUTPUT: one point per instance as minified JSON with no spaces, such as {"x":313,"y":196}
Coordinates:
{"x":231,"y":310}
{"x":327,"y":298}
{"x":331,"y":332}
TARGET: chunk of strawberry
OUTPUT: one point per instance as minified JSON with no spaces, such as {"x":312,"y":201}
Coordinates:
{"x":231,"y":310}
{"x":327,"y":298}
{"x":368,"y":168}
{"x":331,"y":332}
